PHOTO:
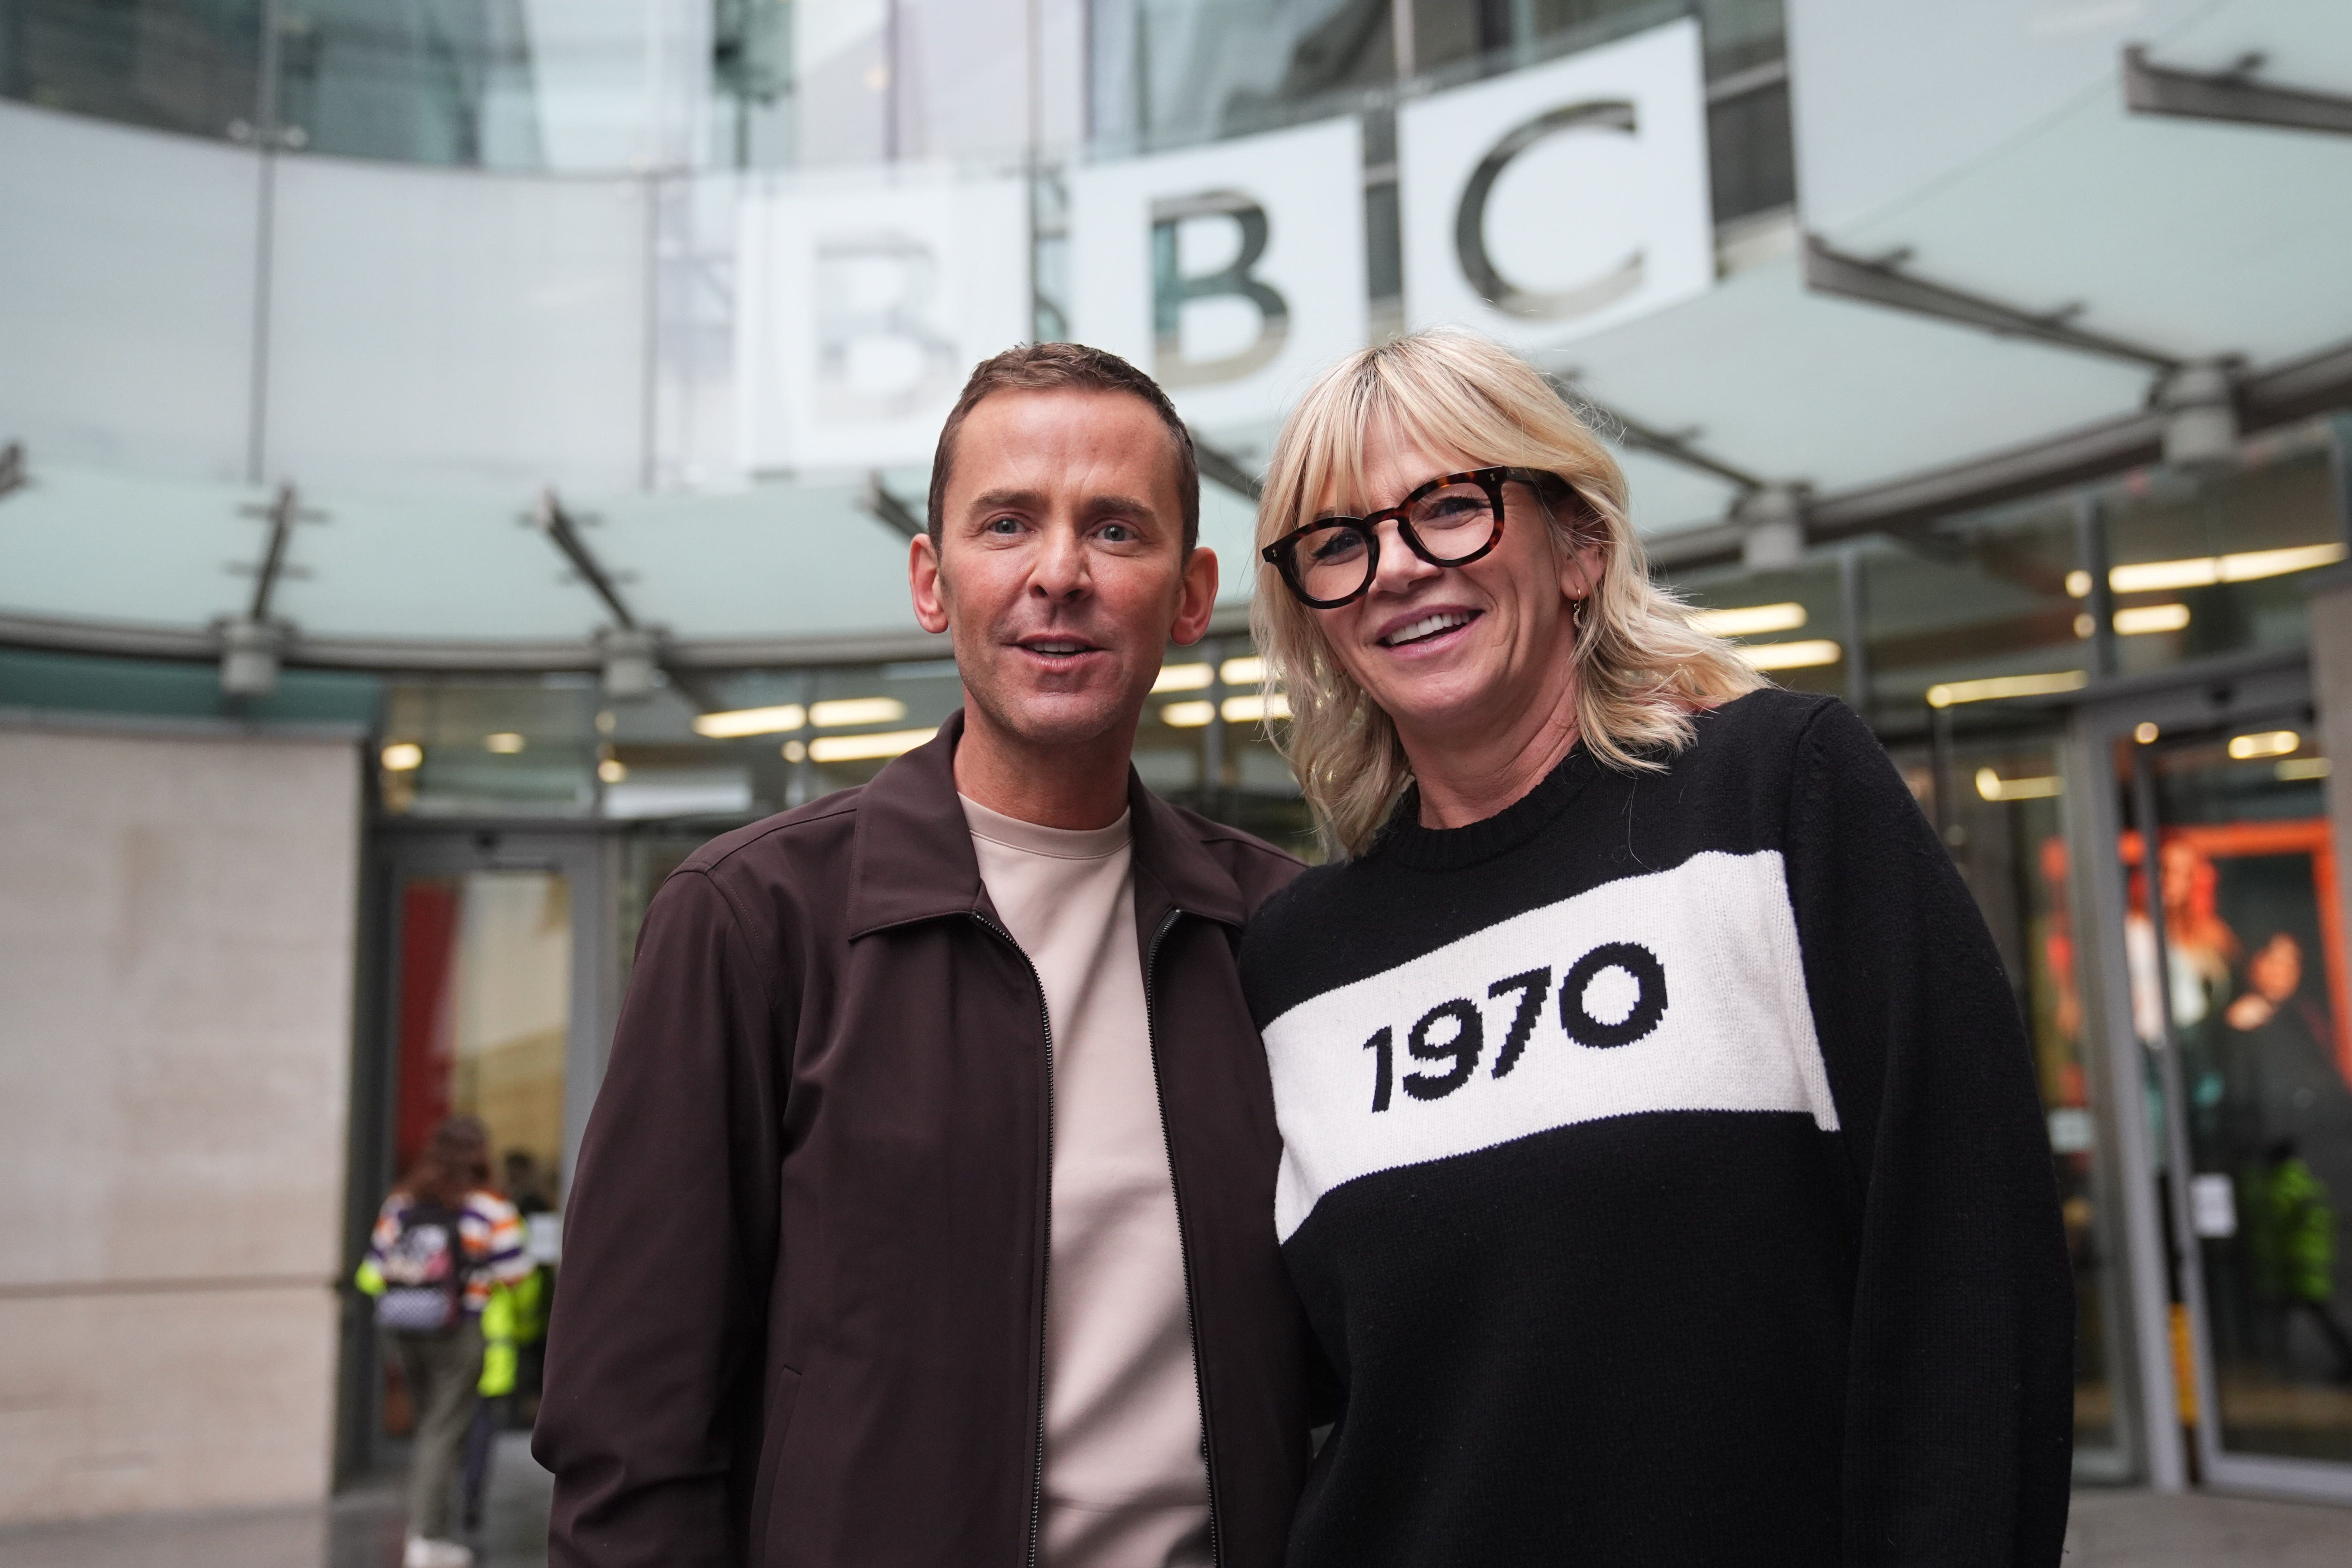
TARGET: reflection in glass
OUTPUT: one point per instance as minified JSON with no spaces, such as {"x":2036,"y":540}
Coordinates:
{"x":2250,"y":973}
{"x":2005,"y":812}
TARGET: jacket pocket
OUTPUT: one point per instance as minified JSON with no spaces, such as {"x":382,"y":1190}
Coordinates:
{"x":775,"y":1420}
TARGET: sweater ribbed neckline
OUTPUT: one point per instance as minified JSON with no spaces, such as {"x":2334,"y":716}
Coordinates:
{"x":1405,"y":841}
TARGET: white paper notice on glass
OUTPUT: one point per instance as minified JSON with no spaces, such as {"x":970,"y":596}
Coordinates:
{"x":862,"y":309}
{"x":1556,"y":201}
{"x":1232,"y":273}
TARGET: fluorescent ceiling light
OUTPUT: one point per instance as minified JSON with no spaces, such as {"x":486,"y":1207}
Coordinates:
{"x":2296,"y":768}
{"x":1246,"y":671}
{"x":402,"y":756}
{"x":1750,"y":620}
{"x":1985,"y":691}
{"x":742,"y":721}
{"x":864,"y":747}
{"x":1187,"y":715}
{"x":2204,"y":571}
{"x":506,"y":742}
{"x":847,"y":711}
{"x":1182,"y":677}
{"x":1256,"y":710}
{"x":2268,"y":743}
{"x":2139,"y":620}
{"x":1993,"y":786}
{"x":1790,"y":654}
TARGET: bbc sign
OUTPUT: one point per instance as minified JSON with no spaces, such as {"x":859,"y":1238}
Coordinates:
{"x":1536,"y":207}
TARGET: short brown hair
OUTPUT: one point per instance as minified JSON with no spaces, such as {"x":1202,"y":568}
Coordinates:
{"x":1059,"y":367}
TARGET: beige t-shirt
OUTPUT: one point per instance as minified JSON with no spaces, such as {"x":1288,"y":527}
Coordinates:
{"x":1126,"y":1483}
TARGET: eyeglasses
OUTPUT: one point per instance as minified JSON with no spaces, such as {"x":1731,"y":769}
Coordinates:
{"x":1451,"y":521}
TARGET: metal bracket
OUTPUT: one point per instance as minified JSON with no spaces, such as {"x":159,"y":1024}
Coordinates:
{"x":12,"y":469}
{"x":887,"y":509}
{"x":2233,"y":96}
{"x":1884,"y":282}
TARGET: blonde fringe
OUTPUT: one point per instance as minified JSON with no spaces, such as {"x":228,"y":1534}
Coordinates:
{"x":1643,"y":667}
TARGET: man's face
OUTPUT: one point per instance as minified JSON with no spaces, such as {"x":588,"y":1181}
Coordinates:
{"x":1060,"y":568}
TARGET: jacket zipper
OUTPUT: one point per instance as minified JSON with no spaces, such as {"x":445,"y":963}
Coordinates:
{"x":1045,"y":1262}
{"x":1192,"y":1318}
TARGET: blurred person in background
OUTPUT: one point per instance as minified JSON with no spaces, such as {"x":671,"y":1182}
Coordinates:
{"x":921,"y":1217}
{"x":1663,"y":1170}
{"x":443,"y":1242}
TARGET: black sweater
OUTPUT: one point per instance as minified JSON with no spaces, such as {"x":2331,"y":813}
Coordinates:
{"x":1665,"y":1177}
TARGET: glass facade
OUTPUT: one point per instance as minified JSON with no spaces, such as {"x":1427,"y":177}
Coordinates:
{"x":601,"y":148}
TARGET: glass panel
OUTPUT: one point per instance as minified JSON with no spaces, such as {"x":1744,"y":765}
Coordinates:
{"x":1790,"y":624}
{"x":126,"y":301}
{"x":482,"y":1000}
{"x":443,"y":336}
{"x":476,"y":749}
{"x":191,"y":66}
{"x":2204,"y":565}
{"x":2253,"y":970}
{"x":2002,"y":811}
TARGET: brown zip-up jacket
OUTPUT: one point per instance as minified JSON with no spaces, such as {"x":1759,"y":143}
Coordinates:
{"x":801,"y":1315}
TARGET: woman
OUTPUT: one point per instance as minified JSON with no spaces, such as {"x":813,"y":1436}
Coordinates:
{"x":442,"y":1242}
{"x":1663,"y":1169}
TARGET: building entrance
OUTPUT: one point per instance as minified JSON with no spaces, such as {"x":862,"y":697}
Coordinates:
{"x":492,"y":1000}
{"x":2229,"y":1026}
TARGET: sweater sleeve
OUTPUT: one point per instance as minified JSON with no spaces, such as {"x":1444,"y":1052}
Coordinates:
{"x":655,"y":1358}
{"x":1960,"y":1420}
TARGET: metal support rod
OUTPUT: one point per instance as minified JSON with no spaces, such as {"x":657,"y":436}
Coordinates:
{"x":2099,"y":603}
{"x":2180,"y":1237}
{"x":1402,"y":41}
{"x":1213,"y":739}
{"x":889,"y":510}
{"x":1939,"y":750}
{"x":12,"y":468}
{"x":551,"y":520}
{"x":2233,"y":95}
{"x":2339,"y":468}
{"x":282,"y":514}
{"x":1675,"y":447}
{"x":1884,"y":282}
{"x":1224,"y":469}
{"x":1854,"y":602}
{"x":265,"y":243}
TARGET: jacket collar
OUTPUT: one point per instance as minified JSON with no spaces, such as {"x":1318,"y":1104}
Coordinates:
{"x":911,"y":856}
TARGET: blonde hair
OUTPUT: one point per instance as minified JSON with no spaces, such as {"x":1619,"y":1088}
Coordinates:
{"x":1643,"y":667}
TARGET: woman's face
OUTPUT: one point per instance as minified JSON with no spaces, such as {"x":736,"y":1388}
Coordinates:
{"x":1452,"y":651}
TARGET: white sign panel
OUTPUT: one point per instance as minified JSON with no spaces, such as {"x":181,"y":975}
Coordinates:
{"x":1233,"y":274}
{"x":861,"y":310}
{"x":1560,"y":200}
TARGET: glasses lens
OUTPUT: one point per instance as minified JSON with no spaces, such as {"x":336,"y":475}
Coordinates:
{"x":1454,"y":523}
{"x":1332,"y":563}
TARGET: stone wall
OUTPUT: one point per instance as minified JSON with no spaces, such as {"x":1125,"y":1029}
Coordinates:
{"x":176,"y":952}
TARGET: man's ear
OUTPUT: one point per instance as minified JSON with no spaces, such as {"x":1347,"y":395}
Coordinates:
{"x":1198,"y":600}
{"x":925,"y":580}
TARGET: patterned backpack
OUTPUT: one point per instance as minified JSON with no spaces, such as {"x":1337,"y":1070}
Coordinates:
{"x":424,"y":1272}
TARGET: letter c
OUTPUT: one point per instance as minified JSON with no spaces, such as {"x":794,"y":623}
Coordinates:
{"x":1470,"y":222}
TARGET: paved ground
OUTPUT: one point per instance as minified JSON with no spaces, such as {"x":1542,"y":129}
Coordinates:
{"x":362,"y":1530}
{"x":2115,"y":1528}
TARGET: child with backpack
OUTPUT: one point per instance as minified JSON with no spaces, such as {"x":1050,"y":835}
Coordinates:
{"x":442,"y":1242}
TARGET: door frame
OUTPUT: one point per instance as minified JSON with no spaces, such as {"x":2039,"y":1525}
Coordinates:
{"x":586,"y":855}
{"x":2219,"y":694}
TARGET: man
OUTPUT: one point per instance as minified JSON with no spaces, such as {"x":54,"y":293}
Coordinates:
{"x":925,"y":1217}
